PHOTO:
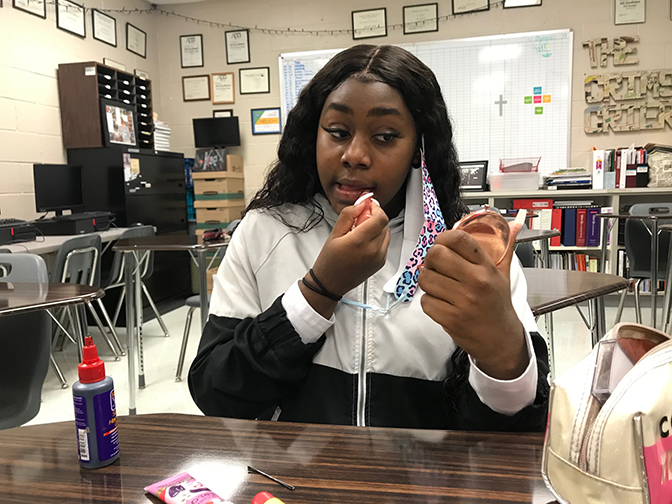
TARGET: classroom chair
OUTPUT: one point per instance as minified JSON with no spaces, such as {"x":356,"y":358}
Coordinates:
{"x":25,"y":340}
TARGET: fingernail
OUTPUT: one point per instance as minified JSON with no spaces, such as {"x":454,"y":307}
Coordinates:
{"x":375,"y":201}
{"x":363,"y":197}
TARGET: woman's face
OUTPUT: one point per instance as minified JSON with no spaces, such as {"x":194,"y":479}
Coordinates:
{"x":365,"y":143}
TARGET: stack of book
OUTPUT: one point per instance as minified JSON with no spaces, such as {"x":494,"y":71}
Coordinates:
{"x":569,"y":178}
{"x":620,"y":168}
{"x":161,"y":136}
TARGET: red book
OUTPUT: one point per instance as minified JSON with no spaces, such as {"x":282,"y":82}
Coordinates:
{"x":617,"y":169}
{"x":532,"y":204}
{"x":556,"y":223}
{"x":581,"y":227}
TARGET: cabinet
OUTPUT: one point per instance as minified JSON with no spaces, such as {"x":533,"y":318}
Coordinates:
{"x":80,"y":88}
{"x":155,"y":195}
{"x":615,"y":198}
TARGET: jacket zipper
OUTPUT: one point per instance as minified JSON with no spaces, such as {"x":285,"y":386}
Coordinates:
{"x":361,"y":376}
{"x":656,"y":357}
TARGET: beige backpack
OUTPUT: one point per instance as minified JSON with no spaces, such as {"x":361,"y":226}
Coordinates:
{"x":620,"y":451}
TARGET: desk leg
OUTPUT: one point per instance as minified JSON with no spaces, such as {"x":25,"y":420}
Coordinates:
{"x":139,"y":321}
{"x":546,"y":260}
{"x":668,"y":290}
{"x":129,"y":266}
{"x":203,"y":286}
{"x":605,"y":239}
{"x":598,"y":325}
{"x":654,"y":270}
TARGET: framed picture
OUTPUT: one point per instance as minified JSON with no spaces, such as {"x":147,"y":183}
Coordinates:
{"x":114,"y":64}
{"x":222,"y":113}
{"x":223,"y":88}
{"x":104,"y":27}
{"x":119,"y":126}
{"x":629,"y":11}
{"x":35,"y":7}
{"x":421,"y":18}
{"x":70,"y":17}
{"x":266,"y":121}
{"x":473,"y":175}
{"x":511,"y":4}
{"x":191,"y":51}
{"x":141,"y":73}
{"x":237,"y":46}
{"x":464,"y":6}
{"x":196,"y":88}
{"x":369,"y":23}
{"x":254,"y":80}
{"x":136,"y":40}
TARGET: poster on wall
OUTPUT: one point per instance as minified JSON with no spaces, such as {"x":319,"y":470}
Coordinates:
{"x":266,"y":121}
{"x":104,"y":27}
{"x":222,"y":88}
{"x":136,"y":40}
{"x":70,"y":17}
{"x":629,"y":11}
{"x":421,"y":18}
{"x":35,"y":7}
{"x":191,"y":51}
{"x":237,"y":46}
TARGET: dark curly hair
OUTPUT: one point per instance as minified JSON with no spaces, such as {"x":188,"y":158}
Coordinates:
{"x":293,"y":177}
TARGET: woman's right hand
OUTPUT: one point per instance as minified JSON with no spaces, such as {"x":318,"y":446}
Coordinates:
{"x":351,"y":255}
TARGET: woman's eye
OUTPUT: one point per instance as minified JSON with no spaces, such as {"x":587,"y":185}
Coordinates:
{"x":386,"y":137}
{"x":337,"y":133}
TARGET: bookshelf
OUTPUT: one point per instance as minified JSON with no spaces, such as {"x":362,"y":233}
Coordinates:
{"x":615,"y":198}
{"x":80,"y":88}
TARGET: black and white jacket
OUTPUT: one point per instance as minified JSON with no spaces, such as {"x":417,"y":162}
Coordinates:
{"x":265,"y":350}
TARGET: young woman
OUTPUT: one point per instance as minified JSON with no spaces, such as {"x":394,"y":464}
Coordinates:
{"x":461,"y":352}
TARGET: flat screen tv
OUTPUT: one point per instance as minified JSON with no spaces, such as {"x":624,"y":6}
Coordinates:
{"x":216,"y":132}
{"x":119,"y":123}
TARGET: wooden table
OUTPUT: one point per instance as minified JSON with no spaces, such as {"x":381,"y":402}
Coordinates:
{"x":132,"y":247}
{"x":327,"y":464}
{"x":25,"y":297}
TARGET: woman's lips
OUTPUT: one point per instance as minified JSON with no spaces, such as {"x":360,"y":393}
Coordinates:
{"x":348,"y":192}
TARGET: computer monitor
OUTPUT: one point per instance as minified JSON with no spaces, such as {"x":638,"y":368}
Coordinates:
{"x":58,"y":188}
{"x":216,"y":132}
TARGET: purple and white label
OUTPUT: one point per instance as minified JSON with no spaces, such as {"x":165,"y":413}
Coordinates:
{"x":107,"y":435}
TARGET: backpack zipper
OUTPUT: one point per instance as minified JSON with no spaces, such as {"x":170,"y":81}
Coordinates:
{"x":361,"y":373}
{"x":656,"y":357}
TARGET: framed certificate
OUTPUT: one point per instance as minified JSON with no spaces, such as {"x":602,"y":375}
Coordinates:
{"x":237,"y":46}
{"x":70,"y":17}
{"x":463,"y":6}
{"x":510,"y":4}
{"x":421,"y":18}
{"x":35,"y":7}
{"x":369,"y":23}
{"x":629,"y":11}
{"x":196,"y":88}
{"x":222,"y":88}
{"x":136,"y":40}
{"x":222,"y":113}
{"x":191,"y":51}
{"x":254,"y":80}
{"x":104,"y":27}
{"x":266,"y":121}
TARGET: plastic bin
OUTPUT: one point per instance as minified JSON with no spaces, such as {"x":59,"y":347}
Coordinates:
{"x":525,"y":181}
{"x":516,"y":165}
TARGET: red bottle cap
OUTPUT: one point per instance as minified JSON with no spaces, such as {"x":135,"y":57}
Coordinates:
{"x":263,"y":497}
{"x":91,"y":369}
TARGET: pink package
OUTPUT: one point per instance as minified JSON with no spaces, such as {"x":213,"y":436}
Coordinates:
{"x":184,"y":489}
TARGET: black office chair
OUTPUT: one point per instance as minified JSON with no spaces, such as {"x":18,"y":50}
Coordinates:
{"x":638,"y":249}
{"x":25,"y":340}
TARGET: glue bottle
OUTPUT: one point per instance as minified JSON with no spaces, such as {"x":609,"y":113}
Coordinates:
{"x":95,"y":411}
{"x":265,"y":498}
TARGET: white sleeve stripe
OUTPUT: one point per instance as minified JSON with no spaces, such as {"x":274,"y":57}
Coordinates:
{"x":309,"y":324}
{"x":506,"y":396}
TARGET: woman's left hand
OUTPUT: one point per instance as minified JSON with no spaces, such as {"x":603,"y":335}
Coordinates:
{"x":470,"y":298}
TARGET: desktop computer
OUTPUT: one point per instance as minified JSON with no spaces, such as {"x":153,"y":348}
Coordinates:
{"x":58,"y":188}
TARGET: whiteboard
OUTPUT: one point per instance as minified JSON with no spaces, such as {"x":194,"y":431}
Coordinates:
{"x":509,"y":96}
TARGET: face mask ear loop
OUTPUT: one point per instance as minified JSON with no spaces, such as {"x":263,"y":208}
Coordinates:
{"x":422,"y":149}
